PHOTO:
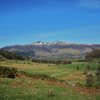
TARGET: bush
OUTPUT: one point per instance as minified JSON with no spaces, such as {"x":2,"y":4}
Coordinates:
{"x":51,"y":93}
{"x":88,"y":67}
{"x":7,"y":72}
{"x":98,"y":76}
{"x":92,"y":77}
{"x":89,"y":80}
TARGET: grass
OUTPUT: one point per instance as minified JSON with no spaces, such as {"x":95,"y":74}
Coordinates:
{"x":26,"y":88}
{"x":63,"y":72}
{"x":38,"y":68}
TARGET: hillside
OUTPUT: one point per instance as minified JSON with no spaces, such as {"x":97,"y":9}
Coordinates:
{"x":4,"y":54}
{"x":52,"y":49}
{"x":2,"y":58}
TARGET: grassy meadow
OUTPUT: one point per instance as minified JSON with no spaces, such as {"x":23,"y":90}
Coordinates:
{"x":28,"y":88}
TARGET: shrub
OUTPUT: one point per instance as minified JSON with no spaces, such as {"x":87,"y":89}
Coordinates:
{"x":88,"y":67}
{"x":98,"y":76}
{"x":7,"y":72}
{"x":89,"y":79}
{"x":51,"y":93}
{"x":77,"y":68}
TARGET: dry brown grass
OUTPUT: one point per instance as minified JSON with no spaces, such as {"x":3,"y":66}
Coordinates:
{"x":75,"y":76}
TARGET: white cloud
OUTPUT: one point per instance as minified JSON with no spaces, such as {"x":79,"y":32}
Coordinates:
{"x":92,"y":4}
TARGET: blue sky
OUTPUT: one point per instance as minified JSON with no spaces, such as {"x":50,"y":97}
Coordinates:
{"x":27,"y":21}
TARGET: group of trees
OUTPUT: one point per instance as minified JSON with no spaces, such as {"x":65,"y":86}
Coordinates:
{"x":51,"y":61}
{"x":93,"y":55}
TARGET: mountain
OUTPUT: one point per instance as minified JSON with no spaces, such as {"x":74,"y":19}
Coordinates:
{"x":57,"y":49}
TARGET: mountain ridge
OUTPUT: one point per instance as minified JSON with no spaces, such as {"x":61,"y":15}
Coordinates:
{"x":56,"y":49}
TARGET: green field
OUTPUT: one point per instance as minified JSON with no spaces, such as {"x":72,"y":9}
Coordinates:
{"x":28,"y":88}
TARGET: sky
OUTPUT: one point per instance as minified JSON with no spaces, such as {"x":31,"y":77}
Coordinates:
{"x":28,"y":21}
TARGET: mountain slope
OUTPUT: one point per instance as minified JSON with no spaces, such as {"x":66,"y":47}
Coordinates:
{"x":4,"y":54}
{"x":53,"y":49}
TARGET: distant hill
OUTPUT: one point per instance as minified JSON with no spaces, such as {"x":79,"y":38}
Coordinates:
{"x":53,"y":49}
{"x":4,"y":54}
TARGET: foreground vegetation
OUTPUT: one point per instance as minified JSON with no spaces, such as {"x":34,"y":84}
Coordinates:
{"x":40,"y":81}
{"x":25,"y":88}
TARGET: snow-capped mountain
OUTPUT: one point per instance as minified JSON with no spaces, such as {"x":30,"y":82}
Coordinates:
{"x":51,"y":43}
{"x":53,"y":49}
